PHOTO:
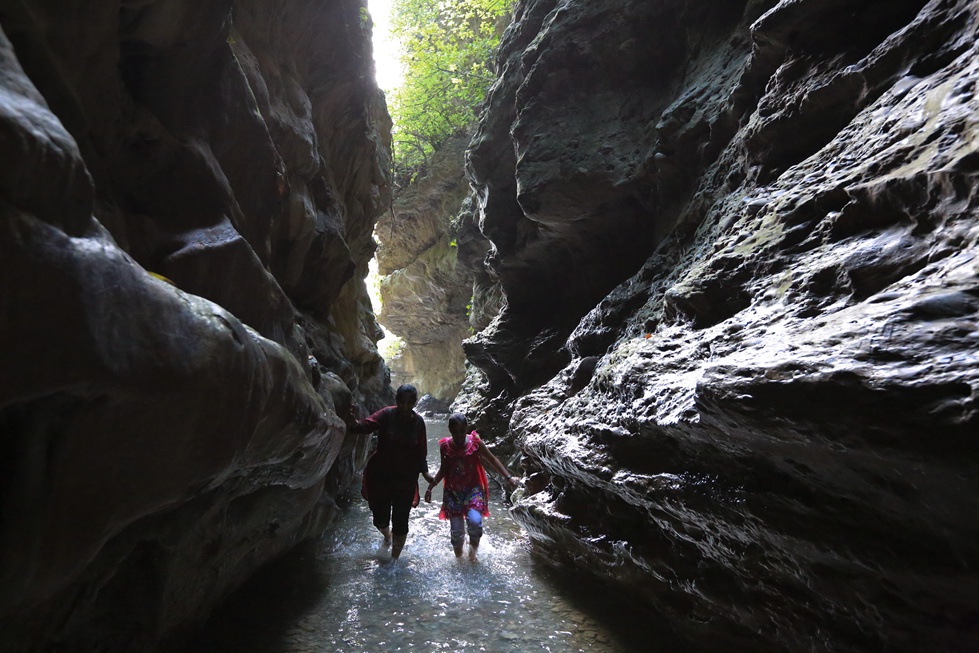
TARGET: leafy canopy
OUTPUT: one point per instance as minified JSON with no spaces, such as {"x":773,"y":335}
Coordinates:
{"x":447,"y":50}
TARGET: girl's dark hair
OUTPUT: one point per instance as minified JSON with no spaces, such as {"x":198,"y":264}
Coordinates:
{"x":406,"y":391}
{"x":458,"y":418}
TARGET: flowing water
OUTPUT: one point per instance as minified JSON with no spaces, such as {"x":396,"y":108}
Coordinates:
{"x":344,"y":593}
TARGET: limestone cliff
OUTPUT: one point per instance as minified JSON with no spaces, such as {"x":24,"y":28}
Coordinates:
{"x":431,"y":291}
{"x":738,"y":246}
{"x":187,"y":196}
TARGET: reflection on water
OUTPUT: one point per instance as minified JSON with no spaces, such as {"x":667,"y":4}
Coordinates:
{"x":346,"y":594}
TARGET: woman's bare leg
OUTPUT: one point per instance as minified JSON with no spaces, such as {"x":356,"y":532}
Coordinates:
{"x":398,"y":544}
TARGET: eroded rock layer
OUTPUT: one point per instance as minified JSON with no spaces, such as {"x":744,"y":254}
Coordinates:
{"x":187,"y":196}
{"x":426,"y":265}
{"x":738,"y":244}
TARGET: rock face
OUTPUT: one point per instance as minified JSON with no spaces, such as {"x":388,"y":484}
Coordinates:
{"x":738,"y":247}
{"x":187,"y":196}
{"x":426,"y":260}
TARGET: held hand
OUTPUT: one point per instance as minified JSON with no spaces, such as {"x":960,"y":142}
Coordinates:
{"x":428,"y":495}
{"x":512,"y":482}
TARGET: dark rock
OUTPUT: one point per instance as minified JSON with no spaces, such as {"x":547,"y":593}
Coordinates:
{"x":429,"y":405}
{"x":187,"y":196}
{"x":737,"y":246}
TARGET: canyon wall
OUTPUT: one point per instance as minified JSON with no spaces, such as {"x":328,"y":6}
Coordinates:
{"x":425,"y":286}
{"x":738,"y":353}
{"x":187,"y":198}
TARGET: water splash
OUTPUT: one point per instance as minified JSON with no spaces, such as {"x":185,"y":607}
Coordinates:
{"x":347,"y":594}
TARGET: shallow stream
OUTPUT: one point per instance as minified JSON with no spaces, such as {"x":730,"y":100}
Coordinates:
{"x":344,"y":593}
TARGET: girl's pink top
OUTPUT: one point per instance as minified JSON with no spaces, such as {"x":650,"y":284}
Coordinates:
{"x":466,"y":485}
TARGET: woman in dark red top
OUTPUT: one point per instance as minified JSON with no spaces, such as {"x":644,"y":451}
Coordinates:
{"x":391,"y":476}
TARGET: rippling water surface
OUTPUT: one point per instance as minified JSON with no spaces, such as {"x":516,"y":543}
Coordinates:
{"x":346,"y":594}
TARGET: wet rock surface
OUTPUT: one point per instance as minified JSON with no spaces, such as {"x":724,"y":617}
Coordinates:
{"x":738,"y":247}
{"x":187,"y":195}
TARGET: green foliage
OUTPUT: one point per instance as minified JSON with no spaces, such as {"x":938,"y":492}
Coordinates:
{"x":447,"y":50}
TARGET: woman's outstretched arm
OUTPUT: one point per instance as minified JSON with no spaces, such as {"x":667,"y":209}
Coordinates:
{"x":495,"y":463}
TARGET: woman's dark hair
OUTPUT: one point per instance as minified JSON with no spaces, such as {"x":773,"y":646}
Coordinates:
{"x":406,"y":391}
{"x":458,"y":418}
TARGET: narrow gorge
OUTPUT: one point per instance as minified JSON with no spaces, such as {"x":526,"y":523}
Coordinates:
{"x":705,"y":271}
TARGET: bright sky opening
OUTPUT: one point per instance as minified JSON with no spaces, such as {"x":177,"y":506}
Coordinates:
{"x":390,"y":75}
{"x":387,"y":57}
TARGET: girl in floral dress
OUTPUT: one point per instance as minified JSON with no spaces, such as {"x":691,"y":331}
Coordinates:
{"x":466,"y":491}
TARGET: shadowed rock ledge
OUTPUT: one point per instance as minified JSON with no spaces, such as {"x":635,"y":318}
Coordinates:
{"x":187,"y":196}
{"x":738,"y":354}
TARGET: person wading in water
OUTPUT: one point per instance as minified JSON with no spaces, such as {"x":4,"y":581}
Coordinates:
{"x":391,"y":476}
{"x":466,"y":493}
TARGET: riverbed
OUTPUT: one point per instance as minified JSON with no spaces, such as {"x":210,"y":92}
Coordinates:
{"x":345,"y":593}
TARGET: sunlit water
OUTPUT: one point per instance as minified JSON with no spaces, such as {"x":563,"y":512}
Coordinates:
{"x":346,"y":594}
